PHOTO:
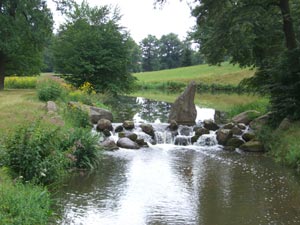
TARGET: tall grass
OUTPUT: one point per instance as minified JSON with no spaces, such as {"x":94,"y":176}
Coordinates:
{"x":20,"y":82}
{"x":23,"y":204}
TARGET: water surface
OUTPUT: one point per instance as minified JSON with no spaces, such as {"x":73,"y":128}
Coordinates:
{"x":186,"y":185}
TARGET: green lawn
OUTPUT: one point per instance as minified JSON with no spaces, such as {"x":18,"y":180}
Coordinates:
{"x":17,"y":107}
{"x":224,"y":74}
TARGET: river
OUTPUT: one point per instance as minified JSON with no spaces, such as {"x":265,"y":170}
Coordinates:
{"x":185,"y":185}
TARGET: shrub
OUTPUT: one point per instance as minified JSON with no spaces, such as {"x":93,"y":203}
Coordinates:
{"x":20,"y":82}
{"x":32,"y":152}
{"x":82,"y":148}
{"x":49,"y":89}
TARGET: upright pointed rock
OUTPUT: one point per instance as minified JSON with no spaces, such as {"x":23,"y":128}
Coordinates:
{"x":183,"y":110}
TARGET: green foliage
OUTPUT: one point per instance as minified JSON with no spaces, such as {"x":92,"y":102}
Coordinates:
{"x":92,"y":47}
{"x":32,"y":153}
{"x":24,"y":204}
{"x":168,"y":86}
{"x":82,"y":148}
{"x":77,"y":116}
{"x":49,"y":89}
{"x":20,"y":82}
{"x":260,"y":105}
{"x":25,"y":27}
{"x":150,"y":53}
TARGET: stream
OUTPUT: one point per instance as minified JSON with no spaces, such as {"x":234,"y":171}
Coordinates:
{"x":167,"y":184}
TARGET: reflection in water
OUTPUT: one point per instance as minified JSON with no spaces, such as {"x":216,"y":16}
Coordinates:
{"x":145,"y":110}
{"x":182,"y":185}
{"x":179,"y":185}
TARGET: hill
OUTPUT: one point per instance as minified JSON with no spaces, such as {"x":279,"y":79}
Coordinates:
{"x":226,"y":74}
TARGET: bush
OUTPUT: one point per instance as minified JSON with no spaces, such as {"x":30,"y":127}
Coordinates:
{"x":24,"y":204}
{"x":32,"y":152}
{"x":49,"y":89}
{"x":82,"y":148}
{"x":20,"y":82}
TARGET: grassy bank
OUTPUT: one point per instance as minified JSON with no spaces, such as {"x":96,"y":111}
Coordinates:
{"x":225,"y":77}
{"x":38,"y":149}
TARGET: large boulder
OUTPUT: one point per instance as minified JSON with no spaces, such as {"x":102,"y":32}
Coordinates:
{"x":252,"y":146}
{"x":223,"y":135}
{"x":104,"y":124}
{"x":285,"y":124}
{"x":259,"y":122}
{"x":97,"y":114}
{"x":248,"y":136}
{"x":235,"y":142}
{"x":127,"y":143}
{"x":245,"y":117}
{"x":199,"y":131}
{"x":183,"y":110}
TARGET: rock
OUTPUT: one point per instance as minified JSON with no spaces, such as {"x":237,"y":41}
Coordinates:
{"x":236,"y":131}
{"x":109,"y":145}
{"x":285,"y":124}
{"x":131,"y":136}
{"x":173,"y":125}
{"x":148,"y":129}
{"x":257,"y":123}
{"x":210,"y":125}
{"x":119,"y":129}
{"x":252,"y":146}
{"x":142,"y":143}
{"x":242,"y":126}
{"x":128,"y":124}
{"x":228,"y":126}
{"x":127,"y":143}
{"x":248,"y":136}
{"x":183,"y":111}
{"x":229,"y":148}
{"x":199,"y":131}
{"x":245,"y":117}
{"x":104,"y":124}
{"x":223,"y":135}
{"x":51,"y":107}
{"x":106,"y":133}
{"x":97,"y":114}
{"x":235,"y":142}
{"x":195,"y":139}
{"x":121,"y":134}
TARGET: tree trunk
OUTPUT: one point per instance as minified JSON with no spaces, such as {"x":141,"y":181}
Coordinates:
{"x":288,"y":28}
{"x":2,"y":73}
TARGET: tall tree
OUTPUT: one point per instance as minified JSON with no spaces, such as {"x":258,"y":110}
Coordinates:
{"x":150,"y":53}
{"x":170,"y":48}
{"x":135,"y":51}
{"x":25,"y":27}
{"x":257,"y":33}
{"x":92,"y":47}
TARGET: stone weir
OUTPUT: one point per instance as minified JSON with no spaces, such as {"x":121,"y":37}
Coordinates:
{"x":230,"y":137}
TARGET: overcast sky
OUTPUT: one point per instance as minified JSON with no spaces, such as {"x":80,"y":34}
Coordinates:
{"x":141,"y":18}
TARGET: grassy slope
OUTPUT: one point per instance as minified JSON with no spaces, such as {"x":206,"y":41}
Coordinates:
{"x":224,"y":74}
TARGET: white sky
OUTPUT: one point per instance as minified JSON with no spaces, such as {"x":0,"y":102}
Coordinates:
{"x":140,"y":18}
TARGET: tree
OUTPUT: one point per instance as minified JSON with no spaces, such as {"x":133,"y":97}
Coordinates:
{"x":256,"y":33}
{"x":150,"y":53}
{"x":25,"y":27}
{"x":170,"y":49}
{"x":92,"y":47}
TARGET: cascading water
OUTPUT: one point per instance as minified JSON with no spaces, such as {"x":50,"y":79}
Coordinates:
{"x":177,"y":180}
